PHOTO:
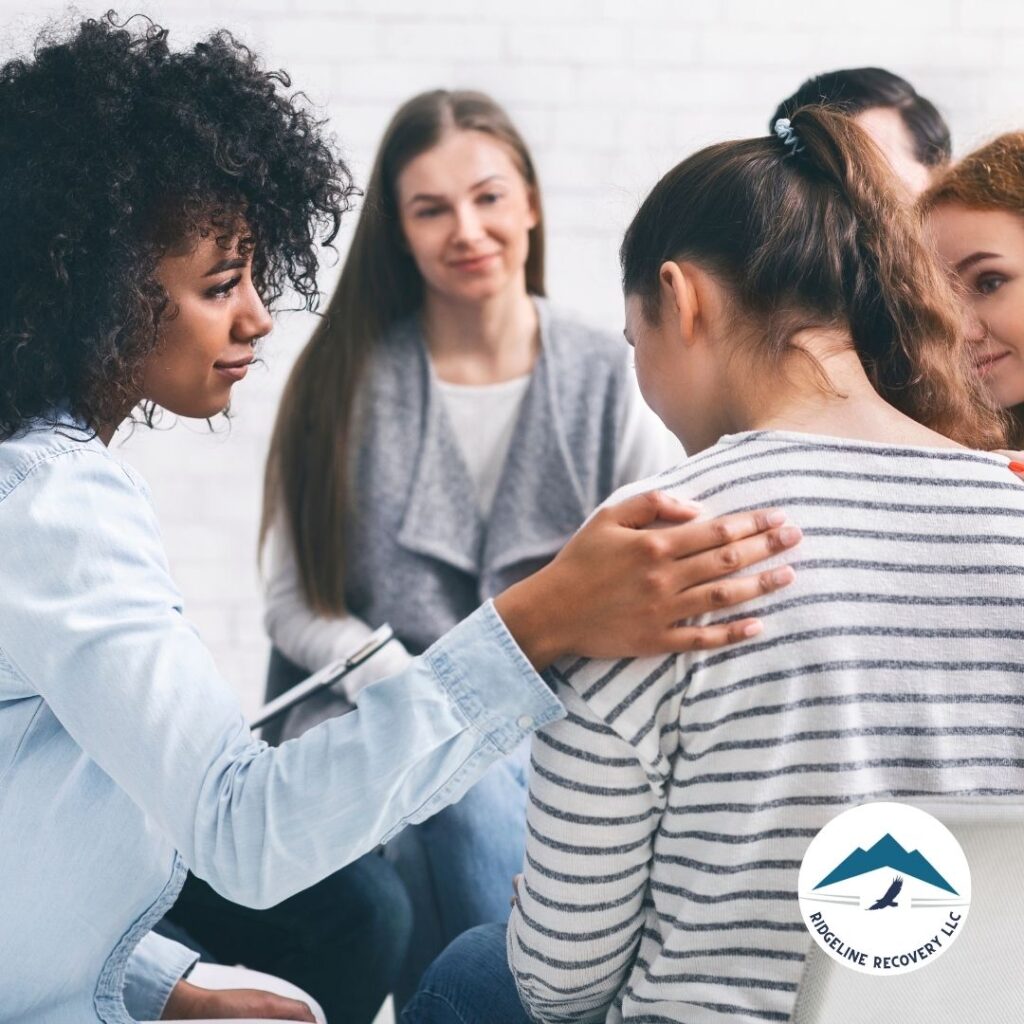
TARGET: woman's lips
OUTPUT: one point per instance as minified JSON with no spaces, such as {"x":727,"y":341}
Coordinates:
{"x":234,"y":371}
{"x":475,"y":262}
{"x":985,"y":365}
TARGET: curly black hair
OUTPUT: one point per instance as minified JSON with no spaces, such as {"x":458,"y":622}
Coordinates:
{"x":113,"y":149}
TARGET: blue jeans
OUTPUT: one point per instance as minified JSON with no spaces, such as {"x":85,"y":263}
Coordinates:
{"x":458,"y":865}
{"x":469,"y":983}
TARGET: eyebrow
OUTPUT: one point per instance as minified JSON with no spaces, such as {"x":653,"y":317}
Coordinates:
{"x":434,"y":198}
{"x":975,"y":257}
{"x":229,"y":263}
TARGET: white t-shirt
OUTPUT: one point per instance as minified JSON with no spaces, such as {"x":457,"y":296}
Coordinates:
{"x":483,"y":419}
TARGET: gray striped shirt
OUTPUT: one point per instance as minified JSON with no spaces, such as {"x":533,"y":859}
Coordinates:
{"x":670,"y":810}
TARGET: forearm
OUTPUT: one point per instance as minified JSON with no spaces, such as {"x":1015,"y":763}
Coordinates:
{"x":103,"y":641}
{"x":417,"y":742}
{"x":538,"y":612}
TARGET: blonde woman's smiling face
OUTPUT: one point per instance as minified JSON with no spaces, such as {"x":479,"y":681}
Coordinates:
{"x":985,"y":249}
{"x":466,"y":215}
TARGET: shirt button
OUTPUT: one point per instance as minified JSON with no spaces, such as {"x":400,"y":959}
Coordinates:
{"x":525,"y":721}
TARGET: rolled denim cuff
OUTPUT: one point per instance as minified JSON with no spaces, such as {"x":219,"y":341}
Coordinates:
{"x":155,"y":966}
{"x":485,"y":674}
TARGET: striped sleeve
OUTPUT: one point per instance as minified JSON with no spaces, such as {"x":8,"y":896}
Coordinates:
{"x":594,"y":807}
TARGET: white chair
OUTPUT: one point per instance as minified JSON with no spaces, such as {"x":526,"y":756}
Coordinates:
{"x":976,"y":981}
{"x":220,"y":977}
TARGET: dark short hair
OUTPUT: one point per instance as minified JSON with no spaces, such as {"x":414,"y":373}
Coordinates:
{"x":114,"y":148}
{"x":853,"y":90}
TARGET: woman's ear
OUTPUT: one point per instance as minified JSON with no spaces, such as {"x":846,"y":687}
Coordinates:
{"x":679,"y":298}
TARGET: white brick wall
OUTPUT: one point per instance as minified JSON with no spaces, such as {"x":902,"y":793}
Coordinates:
{"x":609,"y":93}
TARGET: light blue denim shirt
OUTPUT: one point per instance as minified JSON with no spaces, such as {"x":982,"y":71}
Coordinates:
{"x":124,"y":756}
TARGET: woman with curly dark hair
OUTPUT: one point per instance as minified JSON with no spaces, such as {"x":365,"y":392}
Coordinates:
{"x":153,"y":204}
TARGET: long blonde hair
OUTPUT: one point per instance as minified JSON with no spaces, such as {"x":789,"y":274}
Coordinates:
{"x":307,"y":471}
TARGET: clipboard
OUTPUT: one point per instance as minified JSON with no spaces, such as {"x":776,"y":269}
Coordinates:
{"x":327,"y":676}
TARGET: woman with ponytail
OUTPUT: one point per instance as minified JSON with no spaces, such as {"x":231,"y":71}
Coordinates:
{"x":793,"y":330}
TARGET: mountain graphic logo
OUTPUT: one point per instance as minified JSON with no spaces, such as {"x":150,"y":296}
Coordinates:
{"x":889,"y":905}
{"x":886,"y":853}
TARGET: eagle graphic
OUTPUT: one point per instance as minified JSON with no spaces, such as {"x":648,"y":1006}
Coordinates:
{"x":889,"y":899}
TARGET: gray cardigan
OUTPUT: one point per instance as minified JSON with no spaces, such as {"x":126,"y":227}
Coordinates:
{"x":420,"y":555}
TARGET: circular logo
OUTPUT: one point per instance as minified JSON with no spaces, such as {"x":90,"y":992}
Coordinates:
{"x":884,"y":888}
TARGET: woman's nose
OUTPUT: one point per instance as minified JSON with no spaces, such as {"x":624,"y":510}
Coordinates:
{"x":254,"y":320}
{"x":468,"y":226}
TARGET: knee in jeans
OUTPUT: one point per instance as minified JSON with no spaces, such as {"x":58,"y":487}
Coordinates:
{"x":469,"y":964}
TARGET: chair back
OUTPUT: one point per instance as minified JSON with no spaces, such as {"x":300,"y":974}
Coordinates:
{"x":978,"y":978}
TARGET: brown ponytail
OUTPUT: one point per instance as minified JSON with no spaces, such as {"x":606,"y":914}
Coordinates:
{"x":815,"y":234}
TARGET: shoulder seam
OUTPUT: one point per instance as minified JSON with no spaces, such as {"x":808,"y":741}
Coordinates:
{"x":20,"y":473}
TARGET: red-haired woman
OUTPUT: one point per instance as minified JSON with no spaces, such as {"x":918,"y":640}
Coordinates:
{"x":975,"y":213}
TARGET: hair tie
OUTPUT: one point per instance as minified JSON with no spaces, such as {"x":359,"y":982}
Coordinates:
{"x":789,"y":137}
